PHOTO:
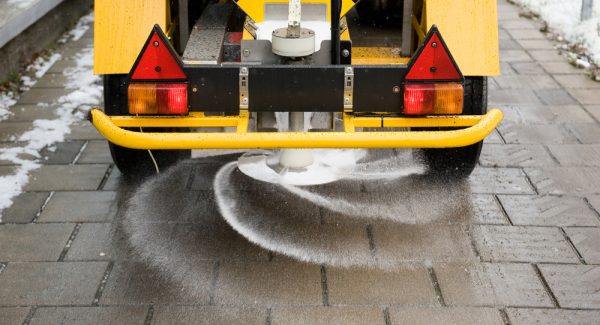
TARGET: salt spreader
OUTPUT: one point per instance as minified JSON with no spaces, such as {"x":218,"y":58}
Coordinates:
{"x":279,"y":74}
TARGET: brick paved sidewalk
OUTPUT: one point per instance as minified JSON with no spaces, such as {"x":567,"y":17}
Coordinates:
{"x":526,"y":251}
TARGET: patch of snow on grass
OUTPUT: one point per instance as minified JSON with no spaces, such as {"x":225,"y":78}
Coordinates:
{"x":564,"y":17}
{"x":6,"y":101}
{"x":83,"y":25}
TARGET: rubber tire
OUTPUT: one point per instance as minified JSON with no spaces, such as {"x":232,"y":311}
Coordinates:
{"x":133,"y":162}
{"x":460,"y":162}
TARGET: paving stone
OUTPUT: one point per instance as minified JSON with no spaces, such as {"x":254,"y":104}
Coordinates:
{"x":327,"y":315}
{"x":52,"y":80}
{"x":526,"y":82}
{"x":548,"y":211}
{"x":92,"y":243}
{"x":24,"y":207}
{"x":506,"y":69}
{"x":10,"y":132}
{"x":445,"y":316}
{"x":66,"y":178}
{"x":574,"y":286}
{"x":533,"y":114}
{"x":594,"y":200}
{"x":89,"y":315}
{"x":522,"y":244}
{"x":282,"y":282}
{"x":530,"y":34}
{"x":28,"y":113}
{"x":132,"y":283}
{"x":560,"y":67}
{"x":513,"y":155}
{"x":577,"y":155}
{"x":487,"y":211}
{"x":14,"y":315}
{"x":50,"y":283}
{"x":231,"y":315}
{"x":534,"y":134}
{"x":406,"y":284}
{"x":585,"y":132}
{"x":397,"y":242}
{"x":515,"y":56}
{"x":61,"y":153}
{"x":487,"y":284}
{"x":499,"y":181}
{"x":546,"y":55}
{"x":494,"y":137}
{"x":576,"y":81}
{"x":513,"y":97}
{"x":83,"y":131}
{"x":527,"y":68}
{"x":96,"y":152}
{"x":536,"y":44}
{"x":520,"y":24}
{"x":587,"y":242}
{"x":503,"y":34}
{"x":509,"y":44}
{"x":586,"y":96}
{"x":507,"y":12}
{"x":594,"y":110}
{"x":80,"y":207}
{"x":35,"y":96}
{"x":524,"y":316}
{"x":577,"y":181}
{"x":555,"y":97}
{"x":61,"y":65}
{"x":33,"y":242}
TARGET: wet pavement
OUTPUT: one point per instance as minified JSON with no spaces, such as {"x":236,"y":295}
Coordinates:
{"x":516,"y":243}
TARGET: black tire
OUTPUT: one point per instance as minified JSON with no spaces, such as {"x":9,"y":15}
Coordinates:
{"x":460,"y":162}
{"x":133,"y":162}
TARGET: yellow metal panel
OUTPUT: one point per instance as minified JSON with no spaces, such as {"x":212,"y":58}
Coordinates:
{"x":277,"y":140}
{"x":377,"y":55}
{"x":120,"y":29}
{"x":256,"y":8}
{"x":470,"y":28}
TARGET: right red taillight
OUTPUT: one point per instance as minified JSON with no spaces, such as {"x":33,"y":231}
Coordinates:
{"x":434,"y":84}
{"x":158,"y":83}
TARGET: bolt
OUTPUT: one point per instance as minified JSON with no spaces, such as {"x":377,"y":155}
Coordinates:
{"x":347,"y":100}
{"x":246,"y":52}
{"x":396,"y":90}
{"x":434,"y":44}
{"x":244,"y":70}
{"x":433,"y":69}
{"x":349,"y":70}
{"x":157,"y":69}
{"x":155,"y":43}
{"x":346,"y":53}
{"x":245,"y":100}
{"x":195,"y":89}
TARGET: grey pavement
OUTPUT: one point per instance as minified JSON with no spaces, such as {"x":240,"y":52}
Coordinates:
{"x":518,"y":243}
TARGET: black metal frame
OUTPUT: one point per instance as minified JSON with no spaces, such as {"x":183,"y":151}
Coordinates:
{"x":295,"y":88}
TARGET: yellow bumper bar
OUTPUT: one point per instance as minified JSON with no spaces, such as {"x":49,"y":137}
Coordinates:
{"x":476,"y":128}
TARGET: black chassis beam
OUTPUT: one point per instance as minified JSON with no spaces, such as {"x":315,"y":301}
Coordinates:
{"x":289,"y":88}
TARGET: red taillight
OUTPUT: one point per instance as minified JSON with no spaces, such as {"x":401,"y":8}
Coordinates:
{"x":158,"y":99}
{"x":418,"y":99}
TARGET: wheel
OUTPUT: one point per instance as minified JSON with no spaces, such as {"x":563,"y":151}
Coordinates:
{"x":460,"y":162}
{"x":131,"y":161}
{"x":380,"y":12}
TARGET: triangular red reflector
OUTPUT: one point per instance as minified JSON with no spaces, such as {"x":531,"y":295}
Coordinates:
{"x":434,"y":62}
{"x":157,"y":61}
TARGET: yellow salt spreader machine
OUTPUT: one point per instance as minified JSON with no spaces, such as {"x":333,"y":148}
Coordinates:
{"x":341,"y":73}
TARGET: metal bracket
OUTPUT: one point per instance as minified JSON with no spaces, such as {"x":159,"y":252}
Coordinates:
{"x":244,"y":95}
{"x":348,"y":89}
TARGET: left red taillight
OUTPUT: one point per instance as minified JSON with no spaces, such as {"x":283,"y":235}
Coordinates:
{"x":158,"y":83}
